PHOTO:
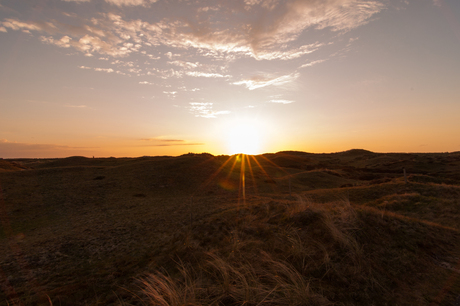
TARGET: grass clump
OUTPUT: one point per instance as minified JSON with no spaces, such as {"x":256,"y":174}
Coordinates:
{"x":275,"y":253}
{"x":220,"y":281}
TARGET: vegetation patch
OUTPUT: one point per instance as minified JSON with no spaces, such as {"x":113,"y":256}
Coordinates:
{"x":188,"y":231}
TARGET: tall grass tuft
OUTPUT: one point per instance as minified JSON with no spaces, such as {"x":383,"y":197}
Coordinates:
{"x":271,"y":282}
{"x":162,"y":290}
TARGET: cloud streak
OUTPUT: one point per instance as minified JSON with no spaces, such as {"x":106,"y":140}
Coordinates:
{"x":12,"y":149}
{"x":206,"y":75}
{"x":281,"y":101}
{"x":162,"y":142}
{"x":205,"y":110}
{"x":312,"y":63}
{"x":261,"y":81}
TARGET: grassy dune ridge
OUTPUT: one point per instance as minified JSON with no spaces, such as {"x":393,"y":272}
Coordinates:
{"x":306,"y":229}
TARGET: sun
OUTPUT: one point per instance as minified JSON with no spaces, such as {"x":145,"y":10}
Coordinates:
{"x":244,"y":138}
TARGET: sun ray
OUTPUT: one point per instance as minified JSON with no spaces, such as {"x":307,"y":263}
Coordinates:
{"x":263,"y":170}
{"x":213,"y":176}
{"x":233,"y":166}
{"x":242,"y":181}
{"x":252,"y":174}
{"x":278,"y":167}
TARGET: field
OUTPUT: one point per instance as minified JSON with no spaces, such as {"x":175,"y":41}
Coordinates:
{"x":290,"y":228}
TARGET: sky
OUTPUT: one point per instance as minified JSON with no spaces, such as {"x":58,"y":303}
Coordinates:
{"x":168,"y":77}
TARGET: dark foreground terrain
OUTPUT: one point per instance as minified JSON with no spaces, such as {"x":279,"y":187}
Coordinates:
{"x":289,"y":228}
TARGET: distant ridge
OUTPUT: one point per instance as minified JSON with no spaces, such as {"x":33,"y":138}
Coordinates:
{"x":291,"y":152}
{"x":356,"y":152}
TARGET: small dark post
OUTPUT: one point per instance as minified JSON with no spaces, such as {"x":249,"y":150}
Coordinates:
{"x":405,"y":176}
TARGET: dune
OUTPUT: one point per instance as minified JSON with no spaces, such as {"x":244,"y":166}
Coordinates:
{"x":287,"y":228}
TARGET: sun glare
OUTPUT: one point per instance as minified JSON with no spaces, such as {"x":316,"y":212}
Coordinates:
{"x":244,"y":138}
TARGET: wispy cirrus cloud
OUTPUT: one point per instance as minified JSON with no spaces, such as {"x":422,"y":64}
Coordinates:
{"x":285,"y":53}
{"x":205,"y":43}
{"x":288,"y":19}
{"x":265,"y":35}
{"x":312,"y":63}
{"x":262,"y":81}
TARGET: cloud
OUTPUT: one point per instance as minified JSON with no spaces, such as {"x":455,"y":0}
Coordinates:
{"x":261,"y":81}
{"x":183,"y":64}
{"x":88,"y":44}
{"x":2,"y":29}
{"x":130,"y":2}
{"x":108,"y":70}
{"x":183,"y":88}
{"x":268,"y":4}
{"x":14,"y":24}
{"x":125,"y":2}
{"x":281,"y":101}
{"x":12,"y":149}
{"x":309,"y":64}
{"x":120,"y":2}
{"x":282,"y":22}
{"x":164,"y":142}
{"x":206,"y":75}
{"x":265,"y":30}
{"x":162,"y":139}
{"x":86,"y":39}
{"x":170,"y":94}
{"x":204,"y":109}
{"x":64,"y":42}
{"x":168,"y":73}
{"x":291,"y":53}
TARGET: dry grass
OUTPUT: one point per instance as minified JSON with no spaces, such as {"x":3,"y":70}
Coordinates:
{"x":274,"y":258}
{"x":84,"y":229}
{"x":298,"y":252}
{"x":162,"y":290}
{"x":274,"y":282}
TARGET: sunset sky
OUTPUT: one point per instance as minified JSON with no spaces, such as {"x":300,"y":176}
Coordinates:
{"x":167,"y":77}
